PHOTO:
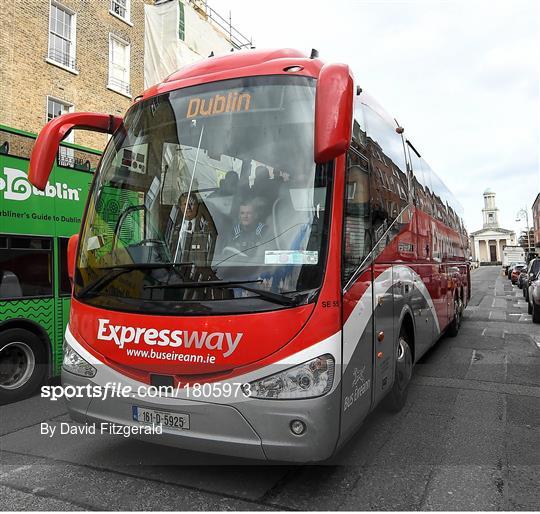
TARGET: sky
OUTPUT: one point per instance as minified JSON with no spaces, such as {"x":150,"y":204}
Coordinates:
{"x":462,"y":78}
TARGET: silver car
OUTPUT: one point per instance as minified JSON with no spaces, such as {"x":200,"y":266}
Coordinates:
{"x":532,"y":271}
{"x":534,"y":298}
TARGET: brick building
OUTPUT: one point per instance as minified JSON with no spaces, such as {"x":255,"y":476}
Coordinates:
{"x":60,"y":56}
{"x":84,"y":55}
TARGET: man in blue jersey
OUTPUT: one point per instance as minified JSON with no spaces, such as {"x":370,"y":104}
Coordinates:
{"x":249,"y":231}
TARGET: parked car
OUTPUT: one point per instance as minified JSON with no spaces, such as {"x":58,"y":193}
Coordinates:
{"x":512,"y":267}
{"x":532,"y":270}
{"x":522,"y":277}
{"x":516,"y":270}
{"x":534,"y":299}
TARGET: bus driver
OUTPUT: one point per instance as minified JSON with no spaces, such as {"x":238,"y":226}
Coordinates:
{"x":194,"y":235}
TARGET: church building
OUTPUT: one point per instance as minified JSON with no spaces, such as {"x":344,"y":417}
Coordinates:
{"x":487,"y":243}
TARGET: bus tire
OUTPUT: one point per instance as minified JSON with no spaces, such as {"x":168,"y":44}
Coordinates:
{"x":453,"y":328}
{"x":397,"y":397}
{"x":23,"y":364}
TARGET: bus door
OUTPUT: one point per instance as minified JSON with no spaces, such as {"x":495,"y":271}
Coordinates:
{"x":423,"y":285}
{"x":357,"y":304}
{"x":384,"y":337}
{"x":357,"y":374}
{"x":439,"y":291}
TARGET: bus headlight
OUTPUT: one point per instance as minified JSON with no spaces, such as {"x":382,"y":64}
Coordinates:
{"x":308,"y":380}
{"x":75,"y":364}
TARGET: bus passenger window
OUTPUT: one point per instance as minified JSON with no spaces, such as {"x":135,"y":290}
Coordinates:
{"x":356,"y":229}
{"x":25,"y":268}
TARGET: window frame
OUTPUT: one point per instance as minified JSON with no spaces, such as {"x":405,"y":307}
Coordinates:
{"x":73,"y":38}
{"x":127,"y":17}
{"x":70,"y":138}
{"x":181,"y":21}
{"x":71,"y":108}
{"x":111,"y":86}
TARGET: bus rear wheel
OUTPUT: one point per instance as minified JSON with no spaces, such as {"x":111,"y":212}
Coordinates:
{"x":397,"y":397}
{"x":453,"y":328}
{"x":23,"y":364}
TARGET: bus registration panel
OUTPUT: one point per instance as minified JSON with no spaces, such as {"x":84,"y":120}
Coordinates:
{"x":172,"y":420}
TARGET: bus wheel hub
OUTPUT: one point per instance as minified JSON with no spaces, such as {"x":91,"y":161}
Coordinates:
{"x":17,"y":363}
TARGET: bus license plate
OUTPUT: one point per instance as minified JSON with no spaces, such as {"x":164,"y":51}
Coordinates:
{"x":172,"y":420}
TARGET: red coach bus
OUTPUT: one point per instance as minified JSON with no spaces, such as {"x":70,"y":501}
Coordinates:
{"x":263,"y":244}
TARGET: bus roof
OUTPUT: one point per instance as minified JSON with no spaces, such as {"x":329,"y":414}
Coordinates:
{"x":243,"y":63}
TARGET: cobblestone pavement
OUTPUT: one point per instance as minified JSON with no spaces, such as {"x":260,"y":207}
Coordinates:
{"x":468,"y":439}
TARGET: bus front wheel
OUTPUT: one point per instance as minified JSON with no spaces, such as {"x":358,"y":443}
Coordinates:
{"x":395,"y":400}
{"x":23,"y":364}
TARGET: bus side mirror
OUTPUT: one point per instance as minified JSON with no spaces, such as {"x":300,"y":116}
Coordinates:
{"x":333,"y":112}
{"x":48,"y":141}
{"x":72,"y":255}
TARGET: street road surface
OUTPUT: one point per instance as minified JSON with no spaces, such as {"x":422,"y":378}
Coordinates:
{"x":468,"y":439}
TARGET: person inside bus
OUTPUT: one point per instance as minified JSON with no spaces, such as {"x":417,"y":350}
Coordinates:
{"x":262,"y":181}
{"x":265,"y":189}
{"x":193,"y":235}
{"x":228,"y":185}
{"x":249,"y":231}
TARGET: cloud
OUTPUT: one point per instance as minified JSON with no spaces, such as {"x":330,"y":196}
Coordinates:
{"x":462,"y":77}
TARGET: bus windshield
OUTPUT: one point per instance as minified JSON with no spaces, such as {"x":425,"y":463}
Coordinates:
{"x":211,"y":183}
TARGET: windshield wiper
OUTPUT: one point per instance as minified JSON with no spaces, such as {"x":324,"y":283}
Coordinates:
{"x":280,"y":299}
{"x":113,"y":272}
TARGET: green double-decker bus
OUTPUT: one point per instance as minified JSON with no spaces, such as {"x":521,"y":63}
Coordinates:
{"x":34,"y":286}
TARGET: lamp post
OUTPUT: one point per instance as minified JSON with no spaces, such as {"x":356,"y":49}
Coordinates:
{"x":522,"y":213}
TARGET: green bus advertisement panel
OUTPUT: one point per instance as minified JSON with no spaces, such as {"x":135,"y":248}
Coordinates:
{"x":34,"y":286}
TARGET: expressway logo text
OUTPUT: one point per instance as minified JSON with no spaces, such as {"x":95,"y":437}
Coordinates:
{"x":122,"y":335}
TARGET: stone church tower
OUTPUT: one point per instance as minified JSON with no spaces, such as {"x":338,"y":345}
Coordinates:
{"x":490,"y":211}
{"x":487,"y":244}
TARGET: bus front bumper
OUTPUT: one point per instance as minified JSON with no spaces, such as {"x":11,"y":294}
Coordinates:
{"x":254,"y":429}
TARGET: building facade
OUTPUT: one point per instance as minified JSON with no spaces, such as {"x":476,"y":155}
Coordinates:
{"x":60,"y":56}
{"x":83,"y":55}
{"x":487,"y":244}
{"x":536,"y":222}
